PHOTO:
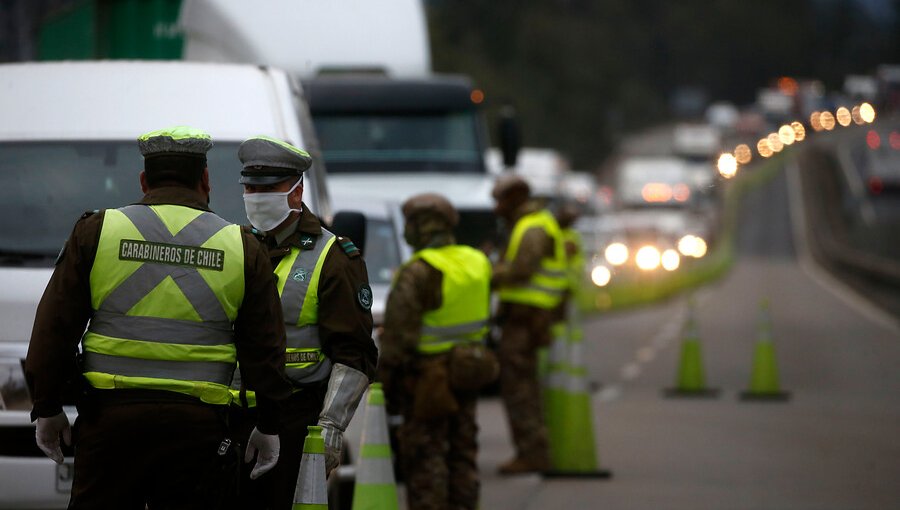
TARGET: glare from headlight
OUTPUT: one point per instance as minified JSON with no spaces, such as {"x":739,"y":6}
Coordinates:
{"x":867,"y":113}
{"x":692,"y":246}
{"x":670,"y":260}
{"x":844,"y":118}
{"x":647,"y":258}
{"x":700,"y":248}
{"x":727,"y":165}
{"x":687,"y":244}
{"x":616,"y":254}
{"x":600,"y":275}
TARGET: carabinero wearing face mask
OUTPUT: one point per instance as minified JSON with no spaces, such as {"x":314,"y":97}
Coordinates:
{"x":330,"y":354}
{"x":267,"y":210}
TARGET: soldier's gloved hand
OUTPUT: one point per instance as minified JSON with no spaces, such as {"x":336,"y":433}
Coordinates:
{"x":46,"y":435}
{"x":268,"y":446}
{"x":334,"y":441}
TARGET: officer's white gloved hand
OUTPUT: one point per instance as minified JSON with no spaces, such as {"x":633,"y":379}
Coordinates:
{"x":46,"y":435}
{"x":268,"y":446}
{"x":334,"y":440}
{"x":345,"y":387}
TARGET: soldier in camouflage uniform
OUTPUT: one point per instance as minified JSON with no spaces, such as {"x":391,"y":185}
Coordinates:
{"x":440,"y":298}
{"x":530,"y":279}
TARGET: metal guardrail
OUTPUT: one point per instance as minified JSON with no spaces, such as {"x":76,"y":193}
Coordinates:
{"x":818,"y":194}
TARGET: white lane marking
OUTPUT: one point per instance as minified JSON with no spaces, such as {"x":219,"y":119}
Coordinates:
{"x":610,"y":393}
{"x":646,"y":354}
{"x":667,"y":334}
{"x":844,"y":292}
{"x":630,"y":371}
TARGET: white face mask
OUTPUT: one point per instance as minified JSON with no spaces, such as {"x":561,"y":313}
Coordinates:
{"x":267,"y":210}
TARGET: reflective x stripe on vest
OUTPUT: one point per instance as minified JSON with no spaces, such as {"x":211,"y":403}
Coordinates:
{"x":166,"y":286}
{"x":465,"y":298}
{"x":298,"y":272}
{"x":547,"y":285}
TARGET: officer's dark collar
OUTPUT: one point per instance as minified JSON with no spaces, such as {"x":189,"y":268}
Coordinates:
{"x":306,"y":227}
{"x":176,"y":195}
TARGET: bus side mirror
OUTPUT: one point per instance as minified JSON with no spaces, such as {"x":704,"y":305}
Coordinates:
{"x":509,"y":136}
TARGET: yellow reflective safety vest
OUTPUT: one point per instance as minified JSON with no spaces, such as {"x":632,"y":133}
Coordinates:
{"x":549,"y":283}
{"x":465,"y":298}
{"x":166,"y":286}
{"x":298,"y":274}
{"x":298,"y":285}
{"x":575,"y":262}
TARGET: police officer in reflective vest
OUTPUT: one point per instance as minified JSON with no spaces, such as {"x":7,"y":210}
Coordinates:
{"x":326,"y":303}
{"x":438,"y":307}
{"x":530,"y":279}
{"x":172,"y":296}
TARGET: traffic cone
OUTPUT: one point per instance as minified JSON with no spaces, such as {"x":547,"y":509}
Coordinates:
{"x":311,"y":492}
{"x":568,"y":410}
{"x":376,"y":488}
{"x":691,"y":379}
{"x":554,"y":372}
{"x":764,"y":378}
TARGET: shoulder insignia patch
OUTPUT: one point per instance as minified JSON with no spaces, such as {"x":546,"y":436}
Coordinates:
{"x":349,"y":248}
{"x":364,"y":296}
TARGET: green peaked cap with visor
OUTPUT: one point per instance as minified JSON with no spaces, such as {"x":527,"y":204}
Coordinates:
{"x":176,"y":140}
{"x":268,"y":160}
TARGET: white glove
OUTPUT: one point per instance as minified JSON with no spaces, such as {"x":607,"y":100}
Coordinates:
{"x":334,"y":440}
{"x":46,"y":435}
{"x":345,"y":387}
{"x":268,"y":446}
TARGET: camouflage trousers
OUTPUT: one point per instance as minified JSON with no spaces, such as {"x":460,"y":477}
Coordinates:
{"x":438,"y":459}
{"x":523,"y":330}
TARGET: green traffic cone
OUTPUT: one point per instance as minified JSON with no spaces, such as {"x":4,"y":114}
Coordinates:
{"x":691,"y":378}
{"x":764,"y":384}
{"x":311,"y":492}
{"x":375,"y":488}
{"x":568,"y":409}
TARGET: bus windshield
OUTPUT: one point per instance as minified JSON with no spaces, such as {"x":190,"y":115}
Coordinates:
{"x":400,"y":142}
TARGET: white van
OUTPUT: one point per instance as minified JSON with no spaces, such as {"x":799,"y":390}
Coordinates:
{"x":68,"y":144}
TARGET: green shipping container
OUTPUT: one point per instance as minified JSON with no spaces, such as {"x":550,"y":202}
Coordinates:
{"x":112,"y":29}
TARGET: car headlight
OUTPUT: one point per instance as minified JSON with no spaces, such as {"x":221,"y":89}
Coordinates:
{"x":600,"y":275}
{"x":616,"y":254}
{"x":670,"y":260}
{"x":647,"y":258}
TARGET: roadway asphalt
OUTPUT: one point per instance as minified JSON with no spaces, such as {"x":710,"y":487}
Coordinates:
{"x":833,"y":445}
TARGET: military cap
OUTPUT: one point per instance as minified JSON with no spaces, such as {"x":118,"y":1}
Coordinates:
{"x":430,"y":203}
{"x":175,"y":141}
{"x":507,"y":183}
{"x":270,"y":161}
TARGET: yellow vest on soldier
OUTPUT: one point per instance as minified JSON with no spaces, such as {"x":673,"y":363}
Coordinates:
{"x":465,"y":298}
{"x":166,"y":286}
{"x":575,"y":262}
{"x":298,"y":286}
{"x":546,"y":287}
